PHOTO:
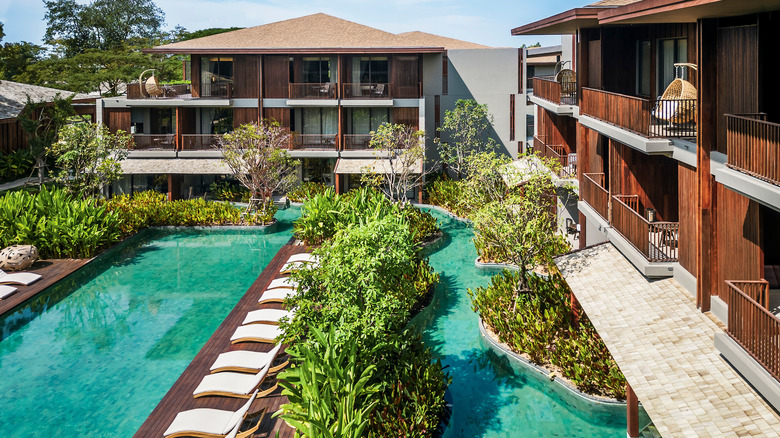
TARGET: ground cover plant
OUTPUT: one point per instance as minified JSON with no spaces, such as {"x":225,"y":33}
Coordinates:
{"x":306,"y":191}
{"x":16,"y":165}
{"x":541,"y":325}
{"x":228,"y":191}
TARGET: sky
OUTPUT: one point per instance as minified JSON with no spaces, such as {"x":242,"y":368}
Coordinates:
{"x":479,"y":21}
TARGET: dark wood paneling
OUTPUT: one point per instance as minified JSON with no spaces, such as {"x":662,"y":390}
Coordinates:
{"x":246,"y":79}
{"x":738,"y":239}
{"x":737,"y":75}
{"x":281,"y":115}
{"x":187,"y":121}
{"x":12,"y":136}
{"x":686,"y":177}
{"x":195,"y":75}
{"x":594,"y":64}
{"x":407,"y":116}
{"x":558,"y":130}
{"x":592,"y":153}
{"x":242,"y":116}
{"x":405,"y":79}
{"x":118,"y":119}
{"x":706,"y":214}
{"x":276,"y":76}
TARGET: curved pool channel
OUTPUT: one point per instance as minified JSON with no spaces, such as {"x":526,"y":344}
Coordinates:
{"x":94,"y":354}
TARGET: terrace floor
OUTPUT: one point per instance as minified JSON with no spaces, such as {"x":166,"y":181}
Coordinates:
{"x":51,"y":271}
{"x":665,"y":347}
{"x":179,"y":397}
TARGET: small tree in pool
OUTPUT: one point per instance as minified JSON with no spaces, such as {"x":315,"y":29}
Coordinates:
{"x":88,"y":156}
{"x":400,"y":160}
{"x":257,"y":155}
{"x":466,"y":128}
{"x":522,"y":229}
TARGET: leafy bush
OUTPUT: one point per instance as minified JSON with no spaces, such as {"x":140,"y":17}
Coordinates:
{"x":448,"y":194}
{"x":227,"y":191}
{"x":306,"y":191}
{"x":326,"y":213}
{"x":60,"y":225}
{"x":540,"y":325}
{"x":16,"y":165}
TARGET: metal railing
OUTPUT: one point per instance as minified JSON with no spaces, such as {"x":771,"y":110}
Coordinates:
{"x":666,"y":118}
{"x":657,"y":241}
{"x":356,"y":141}
{"x":753,"y":146}
{"x":594,"y":193}
{"x":134,"y":91}
{"x":314,"y":141}
{"x":562,"y":93}
{"x":154,"y":142}
{"x":751,"y":325}
{"x":220,"y":89}
{"x":567,"y":161}
{"x":199,"y":142}
{"x":325,"y":90}
{"x":365,"y":91}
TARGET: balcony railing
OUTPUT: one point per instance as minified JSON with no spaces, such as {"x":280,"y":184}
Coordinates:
{"x":752,"y":326}
{"x":356,"y":141}
{"x":594,"y":193}
{"x":753,"y":146}
{"x":667,"y":118}
{"x":657,"y":241}
{"x":365,"y":91}
{"x":326,"y":142}
{"x":220,"y":89}
{"x":134,"y":91}
{"x":325,"y":90}
{"x":562,"y":93}
{"x":154,"y":142}
{"x":567,"y":162}
{"x":199,"y":142}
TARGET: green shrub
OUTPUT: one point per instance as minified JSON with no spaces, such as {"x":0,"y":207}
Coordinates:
{"x":227,"y":191}
{"x":540,"y":325}
{"x":449,"y":195}
{"x":306,"y":191}
{"x":16,"y":165}
{"x":60,"y":225}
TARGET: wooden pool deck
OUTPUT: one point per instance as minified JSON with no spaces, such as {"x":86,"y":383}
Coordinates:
{"x":179,"y":397}
{"x":51,"y":272}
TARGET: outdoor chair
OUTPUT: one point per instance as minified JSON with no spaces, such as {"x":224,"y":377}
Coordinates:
{"x":214,"y":423}
{"x":267,"y":316}
{"x":6,"y":291}
{"x":379,"y":90}
{"x":243,"y":361}
{"x":303,"y":257}
{"x":23,"y":278}
{"x":295,"y":266}
{"x":282,"y":283}
{"x":276,"y":295}
{"x":264,"y":333}
{"x":236,"y":385}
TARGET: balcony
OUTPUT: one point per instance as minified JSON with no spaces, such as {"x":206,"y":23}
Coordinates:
{"x":753,"y":146}
{"x":357,"y":141}
{"x":154,"y":142}
{"x":593,"y":192}
{"x":751,"y":325}
{"x":318,"y":142}
{"x":365,"y":91}
{"x":200,"y":142}
{"x":567,"y":162}
{"x":559,"y":93}
{"x":325,"y":90}
{"x":218,"y":89}
{"x":656,"y":118}
{"x":134,"y":91}
{"x":657,"y":241}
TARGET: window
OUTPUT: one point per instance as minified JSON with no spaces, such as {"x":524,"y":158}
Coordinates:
{"x":221,"y":120}
{"x":370,"y":70}
{"x":320,"y":121}
{"x":316,"y":70}
{"x":529,"y":127}
{"x":670,"y":51}
{"x":365,"y":120}
{"x":318,"y":170}
{"x":216,"y":75}
{"x":444,"y":75}
{"x":643,"y":68}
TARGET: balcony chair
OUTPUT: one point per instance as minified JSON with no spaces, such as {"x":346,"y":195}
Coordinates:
{"x":6,"y":291}
{"x":324,"y":89}
{"x":211,"y":423}
{"x":23,"y":278}
{"x":243,"y":361}
{"x":671,"y":106}
{"x":379,"y":90}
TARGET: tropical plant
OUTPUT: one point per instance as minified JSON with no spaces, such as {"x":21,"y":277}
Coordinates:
{"x":228,"y":191}
{"x":449,"y":194}
{"x":466,"y":129}
{"x":400,"y":160}
{"x":306,"y":191}
{"x":42,"y":122}
{"x":16,"y":164}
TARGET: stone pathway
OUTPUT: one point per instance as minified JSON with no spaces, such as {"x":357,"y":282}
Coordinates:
{"x":664,"y":345}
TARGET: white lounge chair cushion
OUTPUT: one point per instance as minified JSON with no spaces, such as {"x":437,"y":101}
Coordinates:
{"x":23,"y":278}
{"x":6,"y":291}
{"x":210,"y":421}
{"x":254,"y":332}
{"x":284,"y":283}
{"x":294,"y":266}
{"x":276,"y":295}
{"x":231,"y":382}
{"x":304,"y":257}
{"x":267,"y":315}
{"x":251,"y":360}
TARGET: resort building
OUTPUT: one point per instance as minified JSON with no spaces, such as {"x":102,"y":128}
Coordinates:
{"x":671,"y":111}
{"x":329,"y":81}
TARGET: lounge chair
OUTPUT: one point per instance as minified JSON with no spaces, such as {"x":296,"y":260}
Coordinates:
{"x":282,"y":283}
{"x":23,"y":278}
{"x":243,"y":361}
{"x":256,"y":333}
{"x":214,"y":423}
{"x":294,"y":266}
{"x":267,"y":316}
{"x":276,"y":295}
{"x":6,"y":291}
{"x":238,"y":385}
{"x":304,"y":257}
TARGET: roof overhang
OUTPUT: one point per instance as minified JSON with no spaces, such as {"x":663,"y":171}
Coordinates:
{"x":565,"y":23}
{"x":356,"y":166}
{"x":682,"y":11}
{"x":157,"y":166}
{"x":290,"y":50}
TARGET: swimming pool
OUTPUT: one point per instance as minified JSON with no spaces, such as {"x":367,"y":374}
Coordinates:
{"x":94,"y":354}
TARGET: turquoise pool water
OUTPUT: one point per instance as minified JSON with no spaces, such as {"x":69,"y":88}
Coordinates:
{"x":492,"y":395}
{"x":95,"y":354}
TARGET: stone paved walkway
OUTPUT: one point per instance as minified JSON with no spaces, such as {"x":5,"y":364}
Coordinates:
{"x":664,"y":346}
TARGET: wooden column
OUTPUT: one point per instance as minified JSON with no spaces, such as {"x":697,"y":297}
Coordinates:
{"x":420,"y":194}
{"x":338,"y":183}
{"x":583,"y":227}
{"x":174,"y":186}
{"x":632,"y":413}
{"x":706,"y":138}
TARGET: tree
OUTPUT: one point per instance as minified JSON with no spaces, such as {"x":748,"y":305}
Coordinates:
{"x":42,"y":122}
{"x":257,"y":155}
{"x":88,"y":156}
{"x":16,"y":57}
{"x":400,"y":162}
{"x":522,"y":228}
{"x":2,"y":33}
{"x":466,"y":127}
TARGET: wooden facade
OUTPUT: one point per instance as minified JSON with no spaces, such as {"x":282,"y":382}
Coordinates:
{"x":12,"y":136}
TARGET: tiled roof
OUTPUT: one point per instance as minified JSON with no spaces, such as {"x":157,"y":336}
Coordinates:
{"x":611,"y":3}
{"x":317,"y":31}
{"x":13,"y":97}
